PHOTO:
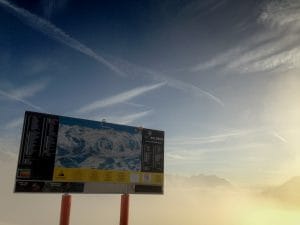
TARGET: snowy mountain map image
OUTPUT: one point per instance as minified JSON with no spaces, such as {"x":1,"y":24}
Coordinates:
{"x":96,"y":145}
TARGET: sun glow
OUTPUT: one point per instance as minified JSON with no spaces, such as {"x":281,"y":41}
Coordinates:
{"x":270,"y":215}
{"x":282,"y":114}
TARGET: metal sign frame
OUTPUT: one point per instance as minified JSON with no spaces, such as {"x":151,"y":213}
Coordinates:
{"x":61,"y":154}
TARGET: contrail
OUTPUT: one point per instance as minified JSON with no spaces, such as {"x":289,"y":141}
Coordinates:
{"x":119,"y":98}
{"x":55,"y":33}
{"x":139,"y":71}
{"x":279,"y":137}
{"x":125,"y":119}
{"x":136,"y":70}
{"x":196,"y":91}
{"x":21,"y":93}
{"x":16,"y":98}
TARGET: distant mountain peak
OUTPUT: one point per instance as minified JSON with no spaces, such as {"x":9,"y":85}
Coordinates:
{"x":200,"y":180}
{"x":288,"y":192}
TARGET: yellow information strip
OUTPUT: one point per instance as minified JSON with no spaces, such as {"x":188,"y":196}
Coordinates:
{"x":111,"y":176}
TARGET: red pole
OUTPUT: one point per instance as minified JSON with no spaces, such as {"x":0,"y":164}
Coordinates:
{"x":65,"y":209}
{"x":124,"y":209}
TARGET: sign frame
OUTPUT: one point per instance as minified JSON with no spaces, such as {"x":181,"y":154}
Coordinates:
{"x":61,"y":154}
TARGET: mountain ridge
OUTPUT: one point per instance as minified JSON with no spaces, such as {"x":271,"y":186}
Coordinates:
{"x":288,"y":192}
{"x":200,"y":180}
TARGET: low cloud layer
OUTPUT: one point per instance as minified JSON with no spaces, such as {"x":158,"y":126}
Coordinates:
{"x":184,"y":201}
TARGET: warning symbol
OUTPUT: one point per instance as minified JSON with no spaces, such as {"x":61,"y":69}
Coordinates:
{"x":61,"y":174}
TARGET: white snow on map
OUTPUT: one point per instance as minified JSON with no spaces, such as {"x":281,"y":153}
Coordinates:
{"x":85,"y":147}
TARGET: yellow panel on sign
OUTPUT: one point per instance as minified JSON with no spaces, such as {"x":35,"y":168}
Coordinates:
{"x":151,"y":178}
{"x":111,"y":176}
{"x":90,"y":175}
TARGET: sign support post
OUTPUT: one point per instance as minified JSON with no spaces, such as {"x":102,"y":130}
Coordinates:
{"x":124,"y":209}
{"x":65,"y":209}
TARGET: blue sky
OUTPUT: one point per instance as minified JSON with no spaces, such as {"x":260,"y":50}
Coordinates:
{"x":221,"y":78}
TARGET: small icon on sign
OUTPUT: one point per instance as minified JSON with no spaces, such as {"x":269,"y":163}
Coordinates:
{"x":24,"y":173}
{"x":146,"y":178}
{"x":61,"y":174}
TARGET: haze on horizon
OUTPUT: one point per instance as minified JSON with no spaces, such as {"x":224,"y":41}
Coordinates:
{"x":220,"y":77}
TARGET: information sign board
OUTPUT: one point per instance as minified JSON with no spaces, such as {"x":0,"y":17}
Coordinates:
{"x":64,"y":154}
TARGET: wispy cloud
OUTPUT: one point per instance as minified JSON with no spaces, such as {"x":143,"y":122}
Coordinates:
{"x":251,"y":145}
{"x":24,"y":90}
{"x":29,"y":90}
{"x":241,"y":139}
{"x":219,"y":60}
{"x":175,"y":156}
{"x":274,"y":48}
{"x":135,"y":105}
{"x":55,"y":33}
{"x":119,"y":98}
{"x":281,"y":13}
{"x":194,"y":90}
{"x":127,"y":119}
{"x":20,"y":94}
{"x":279,"y":137}
{"x":25,"y":102}
{"x":139,"y":71}
{"x":133,"y":117}
{"x":217,"y":138}
{"x":59,"y":35}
